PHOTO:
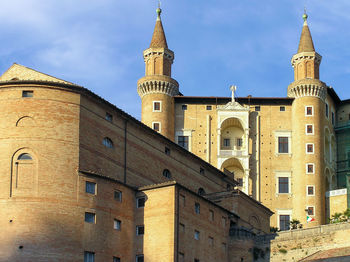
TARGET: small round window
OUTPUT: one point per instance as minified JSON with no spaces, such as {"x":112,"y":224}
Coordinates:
{"x":107,"y":142}
{"x":166,"y":173}
{"x":25,"y":156}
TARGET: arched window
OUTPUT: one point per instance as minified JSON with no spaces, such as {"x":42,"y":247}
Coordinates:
{"x":201,"y":191}
{"x":24,"y":156}
{"x":107,"y":142}
{"x":166,"y":173}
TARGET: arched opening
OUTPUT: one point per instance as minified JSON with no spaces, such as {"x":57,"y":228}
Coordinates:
{"x":234,"y":166}
{"x":26,"y":121}
{"x":201,"y":191}
{"x":327,"y":147}
{"x":23,"y":177}
{"x":166,"y":173}
{"x":232,"y":134}
{"x":107,"y":142}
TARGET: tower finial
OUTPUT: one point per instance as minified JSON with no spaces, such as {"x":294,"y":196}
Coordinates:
{"x":159,"y":11}
{"x":305,"y":16}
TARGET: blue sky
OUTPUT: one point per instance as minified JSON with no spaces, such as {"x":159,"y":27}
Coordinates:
{"x":98,"y":44}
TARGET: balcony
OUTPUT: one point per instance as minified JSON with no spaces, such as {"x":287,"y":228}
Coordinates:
{"x":231,"y":153}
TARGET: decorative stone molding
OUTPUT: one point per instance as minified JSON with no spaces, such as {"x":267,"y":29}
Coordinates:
{"x":162,"y":86}
{"x":158,"y":52}
{"x":307,"y":87}
{"x":297,"y":58}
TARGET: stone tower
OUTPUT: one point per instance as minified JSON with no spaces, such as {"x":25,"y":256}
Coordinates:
{"x":308,"y":111}
{"x":157,"y":88}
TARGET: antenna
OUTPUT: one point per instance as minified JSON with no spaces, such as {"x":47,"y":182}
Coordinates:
{"x":159,"y":3}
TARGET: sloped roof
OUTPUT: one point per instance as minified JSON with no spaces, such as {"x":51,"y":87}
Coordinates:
{"x":18,"y":72}
{"x":306,"y":44}
{"x":158,"y":38}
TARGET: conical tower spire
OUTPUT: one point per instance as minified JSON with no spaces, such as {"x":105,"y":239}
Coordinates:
{"x":306,"y":44}
{"x":306,"y":62}
{"x":158,"y":38}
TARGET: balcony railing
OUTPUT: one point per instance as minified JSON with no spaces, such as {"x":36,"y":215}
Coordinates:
{"x":229,"y":153}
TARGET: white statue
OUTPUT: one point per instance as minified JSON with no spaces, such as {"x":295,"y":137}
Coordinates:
{"x":233,"y":89}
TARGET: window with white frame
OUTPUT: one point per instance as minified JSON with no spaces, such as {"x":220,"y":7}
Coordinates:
{"x":309,"y":129}
{"x":310,"y":168}
{"x":156,"y":126}
{"x":283,"y":144}
{"x":283,"y":182}
{"x":309,"y":110}
{"x":157,"y":106}
{"x":310,"y":210}
{"x":117,"y":224}
{"x":283,"y":218}
{"x":310,"y":190}
{"x":309,"y":148}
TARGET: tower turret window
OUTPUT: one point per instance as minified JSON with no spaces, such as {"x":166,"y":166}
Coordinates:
{"x":309,"y":129}
{"x":309,"y":148}
{"x":311,"y":211}
{"x":309,"y":111}
{"x":310,"y":169}
{"x":156,"y":126}
{"x":310,"y":190}
{"x":157,"y":106}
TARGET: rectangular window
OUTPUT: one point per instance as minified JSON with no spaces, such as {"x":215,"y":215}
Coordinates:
{"x":182,"y":228}
{"x":282,"y":108}
{"x":140,"y":230}
{"x":116,"y":259}
{"x":310,"y":190}
{"x":184,"y":107}
{"x":309,"y":111}
{"x":183,"y":200}
{"x":196,"y":260}
{"x":240,"y":181}
{"x":118,"y":195}
{"x":181,"y":257}
{"x":117,"y":224}
{"x":167,"y":151}
{"x":140,"y":202}
{"x":201,"y":171}
{"x":226,"y":142}
{"x":211,"y":241}
{"x":139,"y":258}
{"x":27,"y":93}
{"x":90,"y":217}
{"x":257,"y":108}
{"x":109,"y":117}
{"x":327,"y":110}
{"x":183,"y":141}
{"x":90,"y":187}
{"x":211,"y":215}
{"x":156,"y":106}
{"x":333,"y":119}
{"x":89,"y":256}
{"x":310,"y":168}
{"x":223,"y":221}
{"x":283,"y":185}
{"x":239,"y":142}
{"x":196,"y":235}
{"x":208,"y":107}
{"x":309,"y":148}
{"x":156,"y":126}
{"x":284,"y":222}
{"x":311,"y":211}
{"x":197,"y":208}
{"x":282,"y":144}
{"x":309,"y":129}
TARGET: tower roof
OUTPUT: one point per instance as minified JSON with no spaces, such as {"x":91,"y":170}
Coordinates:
{"x":158,"y":38}
{"x":306,"y":44}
